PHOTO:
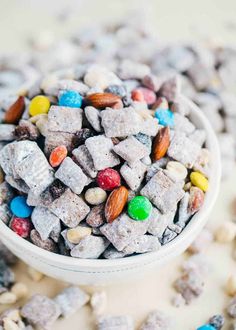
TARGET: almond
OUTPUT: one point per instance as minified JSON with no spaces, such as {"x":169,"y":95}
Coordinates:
{"x":103,"y":100}
{"x":196,"y":199}
{"x":14,"y":113}
{"x":116,"y":203}
{"x":161,"y":143}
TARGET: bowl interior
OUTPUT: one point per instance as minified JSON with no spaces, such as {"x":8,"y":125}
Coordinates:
{"x":177,"y":245}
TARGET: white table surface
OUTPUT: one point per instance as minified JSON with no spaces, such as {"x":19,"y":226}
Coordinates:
{"x":173,"y":20}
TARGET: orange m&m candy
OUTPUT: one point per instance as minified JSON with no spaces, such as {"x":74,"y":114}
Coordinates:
{"x":57,"y":156}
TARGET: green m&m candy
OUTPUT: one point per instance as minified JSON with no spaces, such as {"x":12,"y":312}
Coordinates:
{"x":139,"y":208}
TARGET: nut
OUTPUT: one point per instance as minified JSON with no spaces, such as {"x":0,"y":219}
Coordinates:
{"x":226,"y":232}
{"x":13,"y":315}
{"x":161,"y":143}
{"x":98,"y":302}
{"x":8,"y":324}
{"x":95,"y":196}
{"x":116,"y":203}
{"x":196,"y":200}
{"x":75,"y":235}
{"x":177,"y":170}
{"x":20,"y":290}
{"x":14,"y":113}
{"x":35,"y":275}
{"x":103,"y":100}
{"x":231,"y":285}
{"x":7,"y":298}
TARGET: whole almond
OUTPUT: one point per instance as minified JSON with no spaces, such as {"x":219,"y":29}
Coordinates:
{"x":14,"y":113}
{"x":116,"y":203}
{"x":161,"y":143}
{"x":103,"y":100}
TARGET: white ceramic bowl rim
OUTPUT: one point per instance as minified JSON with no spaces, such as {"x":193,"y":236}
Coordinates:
{"x":165,"y":250}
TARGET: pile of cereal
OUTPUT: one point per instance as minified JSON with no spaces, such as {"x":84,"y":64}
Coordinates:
{"x":207,"y":70}
{"x":104,"y":165}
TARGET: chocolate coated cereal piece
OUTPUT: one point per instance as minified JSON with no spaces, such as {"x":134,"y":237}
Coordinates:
{"x":55,"y":139}
{"x":64,"y":119}
{"x":47,"y":244}
{"x":7,"y":132}
{"x":124,"y":122}
{"x":183,"y":149}
{"x":133,"y":174}
{"x":144,"y":139}
{"x":68,"y":244}
{"x":115,"y":323}
{"x":150,"y":127}
{"x":198,"y":136}
{"x":18,"y":184}
{"x":90,"y":247}
{"x":117,"y":90}
{"x":122,"y":231}
{"x":6,"y":159}
{"x":100,"y":77}
{"x":84,"y":159}
{"x":56,"y":189}
{"x":198,"y":263}
{"x":70,"y":300}
{"x":72,"y":175}
{"x":70,"y":208}
{"x":143,"y":244}
{"x":131,"y":149}
{"x":157,"y":320}
{"x":158,"y":222}
{"x":180,"y":107}
{"x":93,"y":117}
{"x":44,"y":221}
{"x":190,"y":285}
{"x":100,"y":148}
{"x":200,"y":75}
{"x":26,"y":131}
{"x":112,"y":253}
{"x":163,"y":192}
{"x":183,"y":124}
{"x":96,"y":216}
{"x":5,"y":213}
{"x":70,"y":84}
{"x":7,"y":277}
{"x":6,"y":193}
{"x":129,"y":69}
{"x":231,"y":308}
{"x":41,"y":311}
{"x":6,"y":255}
{"x":32,"y":166}
{"x":56,"y":232}
{"x":170,"y":89}
{"x":152,"y":82}
{"x":155,"y":167}
{"x":217,"y":321}
{"x":82,"y":135}
{"x":168,"y":236}
{"x":183,"y":210}
{"x":203,"y":240}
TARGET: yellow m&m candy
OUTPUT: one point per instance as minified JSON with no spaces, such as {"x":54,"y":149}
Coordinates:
{"x":199,"y":181}
{"x":39,"y":104}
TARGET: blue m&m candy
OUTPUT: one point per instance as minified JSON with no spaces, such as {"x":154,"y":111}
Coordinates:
{"x":70,"y":99}
{"x":206,"y":327}
{"x":20,"y":208}
{"x":165,"y":117}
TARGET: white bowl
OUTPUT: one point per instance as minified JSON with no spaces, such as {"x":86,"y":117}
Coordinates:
{"x":93,"y":272}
